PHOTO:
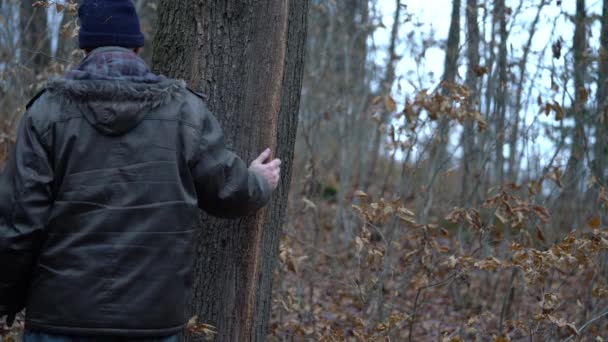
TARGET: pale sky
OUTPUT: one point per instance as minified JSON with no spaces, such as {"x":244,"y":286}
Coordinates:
{"x":435,"y":15}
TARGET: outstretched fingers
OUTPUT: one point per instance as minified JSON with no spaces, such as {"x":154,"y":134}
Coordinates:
{"x":263,"y":156}
{"x":271,"y":170}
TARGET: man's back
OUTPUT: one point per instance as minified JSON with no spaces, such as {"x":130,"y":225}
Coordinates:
{"x":111,"y":167}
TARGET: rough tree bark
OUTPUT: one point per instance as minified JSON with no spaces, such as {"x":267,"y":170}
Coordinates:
{"x":501,"y":101}
{"x":247,"y":55}
{"x":472,"y":82}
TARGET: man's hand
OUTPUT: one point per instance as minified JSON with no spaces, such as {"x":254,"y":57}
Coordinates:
{"x":271,"y":171}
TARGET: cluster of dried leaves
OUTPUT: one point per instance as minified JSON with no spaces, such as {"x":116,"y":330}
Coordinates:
{"x":449,"y":101}
{"x":493,"y":273}
{"x":71,"y":27}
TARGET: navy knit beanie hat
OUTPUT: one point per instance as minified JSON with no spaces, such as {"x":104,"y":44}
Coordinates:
{"x":109,"y":23}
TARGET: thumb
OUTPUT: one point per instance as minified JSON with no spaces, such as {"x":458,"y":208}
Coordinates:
{"x":263,"y":157}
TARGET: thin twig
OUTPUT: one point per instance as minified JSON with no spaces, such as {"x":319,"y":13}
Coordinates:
{"x":588,"y":323}
{"x":440,"y":283}
{"x":34,"y":53}
{"x":506,"y":304}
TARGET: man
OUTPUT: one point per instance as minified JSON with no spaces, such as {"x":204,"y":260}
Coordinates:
{"x":99,"y":201}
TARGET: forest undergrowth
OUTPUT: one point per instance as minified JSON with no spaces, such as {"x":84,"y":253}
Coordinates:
{"x":506,"y":268}
{"x":477,"y":274}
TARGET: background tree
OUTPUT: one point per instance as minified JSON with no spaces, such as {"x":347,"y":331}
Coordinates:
{"x":502,"y":89}
{"x":472,"y":81}
{"x":35,"y":47}
{"x":248,"y":57}
{"x":438,"y":156}
{"x":602,"y":100}
{"x":574,"y":171}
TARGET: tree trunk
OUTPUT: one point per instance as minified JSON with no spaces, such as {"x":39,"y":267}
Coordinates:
{"x":472,"y":82}
{"x":501,"y":91}
{"x":487,"y":92}
{"x":35,"y":42}
{"x":147,"y":17}
{"x":451,"y":54}
{"x":248,"y":57}
{"x":450,"y":71}
{"x":601,"y":153}
{"x":385,"y":90}
{"x":351,"y":91}
{"x":567,"y":202}
{"x":438,"y":150}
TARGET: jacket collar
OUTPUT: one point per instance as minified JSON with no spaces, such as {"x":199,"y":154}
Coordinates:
{"x":113,"y":63}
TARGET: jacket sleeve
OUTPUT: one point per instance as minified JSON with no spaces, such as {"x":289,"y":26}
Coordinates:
{"x":225,"y":186}
{"x":25,"y":200}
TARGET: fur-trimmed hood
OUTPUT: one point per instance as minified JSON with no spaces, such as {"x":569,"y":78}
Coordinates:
{"x":114,"y":89}
{"x":115,"y":107}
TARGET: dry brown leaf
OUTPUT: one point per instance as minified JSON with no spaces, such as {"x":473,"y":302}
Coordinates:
{"x":360,"y":193}
{"x":359,"y":244}
{"x":599,"y":292}
{"x":583,"y":94}
{"x":488,"y":264}
{"x":376,"y":100}
{"x":501,"y":218}
{"x":500,"y":339}
{"x":594,"y":222}
{"x":559,"y":112}
{"x":390,"y":103}
{"x":39,"y":4}
{"x":292,"y":265}
{"x":308,"y":204}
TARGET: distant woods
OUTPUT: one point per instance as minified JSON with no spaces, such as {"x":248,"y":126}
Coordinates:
{"x":538,"y":116}
{"x":405,"y":170}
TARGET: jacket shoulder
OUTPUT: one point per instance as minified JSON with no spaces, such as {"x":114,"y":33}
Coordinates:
{"x":44,"y":109}
{"x":198,"y":112}
{"x":33,"y":99}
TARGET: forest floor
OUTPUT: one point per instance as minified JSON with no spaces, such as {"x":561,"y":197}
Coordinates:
{"x":487,"y":274}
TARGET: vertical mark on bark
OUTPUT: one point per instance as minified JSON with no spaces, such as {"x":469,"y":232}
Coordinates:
{"x":273,"y":106}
